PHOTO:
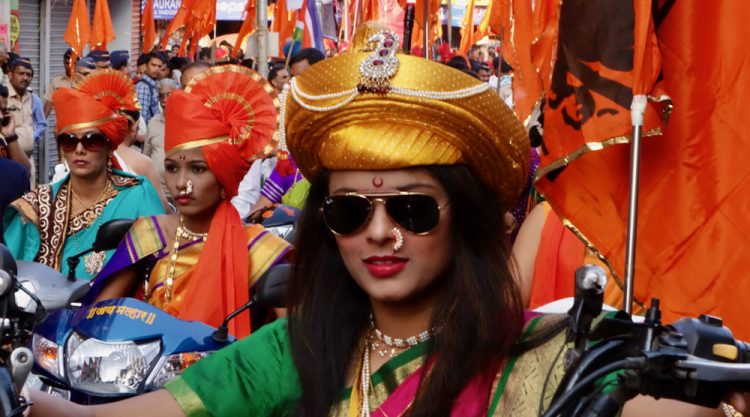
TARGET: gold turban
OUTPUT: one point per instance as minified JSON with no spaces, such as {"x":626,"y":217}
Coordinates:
{"x":373,"y":109}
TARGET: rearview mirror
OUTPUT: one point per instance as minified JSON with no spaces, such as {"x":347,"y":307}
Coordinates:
{"x":110,"y":234}
{"x":270,"y":291}
{"x":7,"y":262}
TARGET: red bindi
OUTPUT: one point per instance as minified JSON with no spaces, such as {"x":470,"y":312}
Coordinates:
{"x":377,"y":182}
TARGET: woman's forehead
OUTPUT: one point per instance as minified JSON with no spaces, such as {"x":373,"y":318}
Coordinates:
{"x":82,"y":132}
{"x":194,"y":154}
{"x":382,"y":181}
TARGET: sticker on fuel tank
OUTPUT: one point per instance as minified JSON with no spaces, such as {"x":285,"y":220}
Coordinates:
{"x":129,"y":312}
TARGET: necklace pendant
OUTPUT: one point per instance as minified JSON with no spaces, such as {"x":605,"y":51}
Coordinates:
{"x":94,"y":262}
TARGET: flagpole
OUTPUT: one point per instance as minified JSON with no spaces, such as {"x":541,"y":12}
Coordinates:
{"x":408,"y":25}
{"x":347,"y":23}
{"x":261,"y":36}
{"x":499,"y":66}
{"x":637,"y":108}
{"x":449,"y":16}
{"x":426,"y":28}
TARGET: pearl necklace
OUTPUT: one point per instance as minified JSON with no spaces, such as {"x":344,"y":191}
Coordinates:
{"x":181,"y":232}
{"x":365,"y":379}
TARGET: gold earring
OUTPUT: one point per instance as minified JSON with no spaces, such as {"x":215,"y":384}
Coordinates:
{"x":223,"y":194}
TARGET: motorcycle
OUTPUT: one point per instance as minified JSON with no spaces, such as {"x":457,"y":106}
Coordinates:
{"x":24,"y":300}
{"x":123,"y":347}
{"x":694,"y":360}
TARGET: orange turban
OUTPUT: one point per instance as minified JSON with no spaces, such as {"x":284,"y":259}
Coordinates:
{"x":96,"y":104}
{"x":229,"y":112}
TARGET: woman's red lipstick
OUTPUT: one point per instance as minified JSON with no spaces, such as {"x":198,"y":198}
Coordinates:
{"x":385,"y":266}
{"x":183,"y":199}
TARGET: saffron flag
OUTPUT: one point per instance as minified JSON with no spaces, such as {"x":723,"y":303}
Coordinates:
{"x":78,"y":32}
{"x":102,"y":31}
{"x":587,"y":125}
{"x":179,"y":21}
{"x":692,"y":228}
{"x":196,"y":18}
{"x":247,"y":27}
{"x":529,"y":42}
{"x":283,"y":23}
{"x":148,"y":27}
{"x":467,"y":29}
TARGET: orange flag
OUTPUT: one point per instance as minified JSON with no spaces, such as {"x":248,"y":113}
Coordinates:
{"x":587,"y":125}
{"x":78,"y":32}
{"x":467,"y":29}
{"x":528,"y":44}
{"x":283,"y":23}
{"x":179,"y":21}
{"x":495,"y":18}
{"x":203,"y":22}
{"x":433,"y":23}
{"x":196,"y":18}
{"x":102,"y":31}
{"x":692,"y":228}
{"x":148,"y":27}
{"x":247,"y":27}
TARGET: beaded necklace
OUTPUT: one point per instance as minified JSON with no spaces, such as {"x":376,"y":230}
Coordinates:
{"x":181,"y":232}
{"x":393,"y":345}
{"x":93,"y":262}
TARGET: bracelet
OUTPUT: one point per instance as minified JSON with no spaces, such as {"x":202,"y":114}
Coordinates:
{"x":11,"y":138}
{"x":729,"y":411}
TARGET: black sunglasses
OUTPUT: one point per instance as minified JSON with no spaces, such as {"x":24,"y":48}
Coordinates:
{"x":92,"y":142}
{"x":345,"y":214}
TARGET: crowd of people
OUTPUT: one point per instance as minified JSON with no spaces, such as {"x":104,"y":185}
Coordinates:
{"x":405,"y":298}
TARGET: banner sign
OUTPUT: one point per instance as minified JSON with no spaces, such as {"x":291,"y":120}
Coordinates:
{"x":225,"y":9}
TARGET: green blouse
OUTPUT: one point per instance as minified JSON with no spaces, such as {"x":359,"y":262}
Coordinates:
{"x":257,"y":376}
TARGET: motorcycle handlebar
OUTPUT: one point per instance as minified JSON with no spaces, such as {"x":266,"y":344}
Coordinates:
{"x":695,"y":360}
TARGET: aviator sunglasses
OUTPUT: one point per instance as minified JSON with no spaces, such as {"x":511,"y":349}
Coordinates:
{"x":92,"y":142}
{"x":345,"y":214}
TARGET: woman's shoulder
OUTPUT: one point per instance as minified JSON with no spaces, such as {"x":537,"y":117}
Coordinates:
{"x":162,"y":225}
{"x":122,"y":179}
{"x":28,"y":206}
{"x":256,"y":373}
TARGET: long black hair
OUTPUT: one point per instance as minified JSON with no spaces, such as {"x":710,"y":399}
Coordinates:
{"x":479,"y":309}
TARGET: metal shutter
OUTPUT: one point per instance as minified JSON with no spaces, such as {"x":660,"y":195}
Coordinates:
{"x":30,"y":34}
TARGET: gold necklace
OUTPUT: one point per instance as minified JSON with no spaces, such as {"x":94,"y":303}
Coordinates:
{"x":181,"y":232}
{"x":86,"y":206}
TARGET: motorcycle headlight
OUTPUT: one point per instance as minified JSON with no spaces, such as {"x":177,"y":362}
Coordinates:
{"x":46,"y":353}
{"x":24,"y":300}
{"x":172,"y":366}
{"x":99,"y":367}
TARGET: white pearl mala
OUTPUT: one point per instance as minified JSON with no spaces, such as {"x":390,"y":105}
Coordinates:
{"x":282,"y":117}
{"x":336,"y":106}
{"x":442,"y":95}
{"x":353,"y":93}
{"x":331,"y":96}
{"x":365,"y":380}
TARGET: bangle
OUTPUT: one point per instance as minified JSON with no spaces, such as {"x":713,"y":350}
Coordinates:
{"x":11,"y":138}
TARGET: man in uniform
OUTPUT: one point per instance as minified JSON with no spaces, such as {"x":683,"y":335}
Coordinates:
{"x":63,"y":80}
